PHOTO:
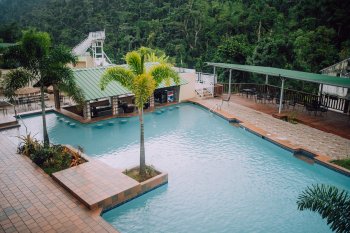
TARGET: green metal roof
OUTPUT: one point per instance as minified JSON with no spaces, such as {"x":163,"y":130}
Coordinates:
{"x":6,"y":45}
{"x":88,"y":80}
{"x":292,"y":74}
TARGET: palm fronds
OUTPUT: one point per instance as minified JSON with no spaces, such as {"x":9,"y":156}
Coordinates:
{"x":330,"y":202}
{"x":118,"y":74}
{"x":16,"y":79}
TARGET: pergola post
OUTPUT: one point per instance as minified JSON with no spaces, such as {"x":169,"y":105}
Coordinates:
{"x":281,"y":95}
{"x":114,"y":105}
{"x":214,"y":75}
{"x":267,"y":79}
{"x":151,"y":101}
{"x":86,"y":111}
{"x":229,"y":82}
{"x":320,"y":94}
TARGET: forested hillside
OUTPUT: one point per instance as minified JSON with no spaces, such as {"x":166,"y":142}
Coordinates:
{"x":303,"y":34}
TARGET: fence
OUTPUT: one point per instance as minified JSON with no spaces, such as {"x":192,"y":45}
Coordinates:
{"x":332,"y":102}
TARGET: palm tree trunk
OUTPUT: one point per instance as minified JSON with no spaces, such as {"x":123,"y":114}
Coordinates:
{"x":45,"y":134}
{"x":142,"y":144}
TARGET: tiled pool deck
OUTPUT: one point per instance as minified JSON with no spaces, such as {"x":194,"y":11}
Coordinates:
{"x":31,"y":201}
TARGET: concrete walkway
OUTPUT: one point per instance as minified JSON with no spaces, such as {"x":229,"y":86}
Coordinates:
{"x":30,"y":201}
{"x":311,"y":139}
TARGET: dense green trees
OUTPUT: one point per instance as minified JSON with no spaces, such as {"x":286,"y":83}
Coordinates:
{"x":305,"y":35}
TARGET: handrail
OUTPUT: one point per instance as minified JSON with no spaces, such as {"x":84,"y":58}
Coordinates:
{"x":16,"y":115}
{"x":216,"y":106}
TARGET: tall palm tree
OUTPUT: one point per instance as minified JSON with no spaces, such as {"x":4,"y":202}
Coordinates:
{"x":330,"y":202}
{"x":140,"y":82}
{"x":43,"y":65}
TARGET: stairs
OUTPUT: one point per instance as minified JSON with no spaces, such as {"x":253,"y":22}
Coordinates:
{"x":82,"y":47}
{"x":94,"y":42}
{"x":203,"y":93}
{"x":8,"y":122}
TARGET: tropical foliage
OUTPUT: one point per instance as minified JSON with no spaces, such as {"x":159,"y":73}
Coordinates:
{"x":306,"y":34}
{"x":50,"y":158}
{"x":41,"y":64}
{"x":142,"y":83}
{"x":330,"y":202}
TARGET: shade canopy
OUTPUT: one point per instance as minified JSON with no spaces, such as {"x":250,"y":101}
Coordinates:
{"x":27,"y":91}
{"x":291,"y":74}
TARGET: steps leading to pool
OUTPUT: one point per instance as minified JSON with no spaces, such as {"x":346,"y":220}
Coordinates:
{"x":8,"y":122}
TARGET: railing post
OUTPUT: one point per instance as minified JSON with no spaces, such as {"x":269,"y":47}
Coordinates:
{"x":281,"y":95}
{"x":229,"y":83}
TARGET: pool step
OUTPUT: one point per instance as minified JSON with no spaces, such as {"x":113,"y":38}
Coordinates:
{"x":304,"y":158}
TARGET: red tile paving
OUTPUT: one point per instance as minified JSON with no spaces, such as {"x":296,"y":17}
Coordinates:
{"x":95,"y":183}
{"x":30,"y":201}
{"x":331,"y":122}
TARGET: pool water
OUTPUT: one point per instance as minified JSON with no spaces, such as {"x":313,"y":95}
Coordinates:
{"x":221,"y":178}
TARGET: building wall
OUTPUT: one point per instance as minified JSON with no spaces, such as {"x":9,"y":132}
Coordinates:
{"x":340,"y":69}
{"x":187,"y":91}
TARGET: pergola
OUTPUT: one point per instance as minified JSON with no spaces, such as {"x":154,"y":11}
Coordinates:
{"x":284,"y":74}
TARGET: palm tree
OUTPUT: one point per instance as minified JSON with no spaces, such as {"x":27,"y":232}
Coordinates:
{"x":330,"y":202}
{"x":42,"y":65}
{"x":140,"y":82}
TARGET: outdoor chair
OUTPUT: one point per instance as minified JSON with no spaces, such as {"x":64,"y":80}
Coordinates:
{"x":292,"y":103}
{"x":270,"y":98}
{"x":278,"y":101}
{"x":259,"y":97}
{"x":323,"y":109}
{"x":226,"y":98}
{"x":128,"y":108}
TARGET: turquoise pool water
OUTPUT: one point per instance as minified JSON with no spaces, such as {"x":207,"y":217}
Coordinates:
{"x":221,"y":178}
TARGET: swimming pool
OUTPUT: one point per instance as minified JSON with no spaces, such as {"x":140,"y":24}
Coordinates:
{"x":221,"y":178}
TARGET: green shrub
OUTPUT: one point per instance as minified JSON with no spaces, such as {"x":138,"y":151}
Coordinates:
{"x":40,"y":155}
{"x":52,"y":158}
{"x":28,"y":145}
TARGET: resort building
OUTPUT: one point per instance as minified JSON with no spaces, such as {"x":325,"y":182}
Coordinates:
{"x":116,"y":99}
{"x":340,"y":69}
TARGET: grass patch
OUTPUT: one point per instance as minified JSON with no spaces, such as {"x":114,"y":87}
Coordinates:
{"x":343,"y":163}
{"x":135,"y":173}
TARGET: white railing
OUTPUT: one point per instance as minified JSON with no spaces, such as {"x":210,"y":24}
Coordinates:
{"x":205,"y":83}
{"x":17,"y":116}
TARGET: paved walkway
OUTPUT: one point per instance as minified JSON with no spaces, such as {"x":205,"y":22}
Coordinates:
{"x":298,"y":134}
{"x":30,"y":201}
{"x":330,"y":122}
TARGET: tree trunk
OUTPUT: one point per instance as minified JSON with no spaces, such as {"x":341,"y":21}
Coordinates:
{"x":56,"y":97}
{"x":142,"y":145}
{"x":45,"y":134}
